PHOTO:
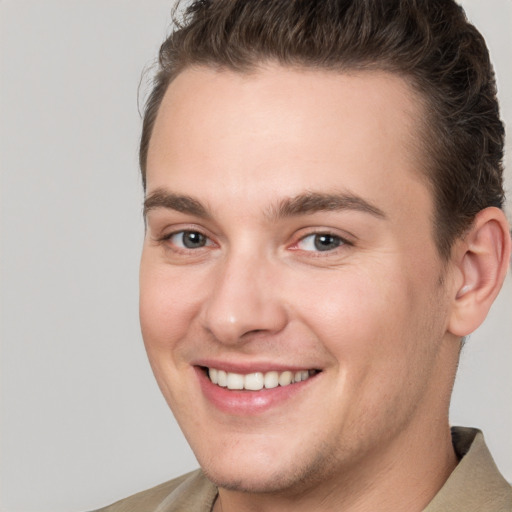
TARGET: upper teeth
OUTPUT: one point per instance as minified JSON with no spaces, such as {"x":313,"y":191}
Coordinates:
{"x":258,"y":380}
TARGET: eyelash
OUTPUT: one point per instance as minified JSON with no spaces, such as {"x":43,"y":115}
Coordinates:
{"x":168,"y":237}
{"x":342,"y":242}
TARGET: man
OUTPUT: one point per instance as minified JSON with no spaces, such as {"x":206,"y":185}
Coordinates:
{"x":323,"y":193}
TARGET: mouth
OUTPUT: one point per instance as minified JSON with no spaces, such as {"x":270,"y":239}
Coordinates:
{"x":258,"y":380}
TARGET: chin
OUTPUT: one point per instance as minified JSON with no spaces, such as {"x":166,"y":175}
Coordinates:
{"x":275,"y":476}
{"x":250,"y":481}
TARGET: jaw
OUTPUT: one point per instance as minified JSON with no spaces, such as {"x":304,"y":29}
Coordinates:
{"x":290,"y":441}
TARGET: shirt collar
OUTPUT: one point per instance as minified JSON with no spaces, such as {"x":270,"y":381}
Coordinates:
{"x":476,"y":483}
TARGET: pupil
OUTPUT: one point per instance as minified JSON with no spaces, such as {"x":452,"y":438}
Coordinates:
{"x":326,"y":242}
{"x":193,"y":239}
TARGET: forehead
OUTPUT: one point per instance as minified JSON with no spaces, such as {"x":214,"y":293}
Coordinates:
{"x":292,"y":129}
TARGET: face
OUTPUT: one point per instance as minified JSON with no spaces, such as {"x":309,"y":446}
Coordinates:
{"x":292,"y":303}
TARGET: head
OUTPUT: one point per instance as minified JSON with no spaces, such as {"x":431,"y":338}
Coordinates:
{"x":429,"y":44}
{"x":322,"y":190}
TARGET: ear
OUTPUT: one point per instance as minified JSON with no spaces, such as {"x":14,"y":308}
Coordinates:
{"x":482,"y":258}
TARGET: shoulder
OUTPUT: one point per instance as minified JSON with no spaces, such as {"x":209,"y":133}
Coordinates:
{"x":191,"y":492}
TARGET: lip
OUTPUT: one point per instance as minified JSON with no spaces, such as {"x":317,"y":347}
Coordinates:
{"x":245,"y":368}
{"x":249,"y":403}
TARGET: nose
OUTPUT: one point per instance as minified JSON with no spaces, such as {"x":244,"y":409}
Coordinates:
{"x":244,"y":300}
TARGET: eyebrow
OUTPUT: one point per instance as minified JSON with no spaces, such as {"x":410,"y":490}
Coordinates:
{"x":178,"y":202}
{"x":312,"y":202}
{"x":302,"y":204}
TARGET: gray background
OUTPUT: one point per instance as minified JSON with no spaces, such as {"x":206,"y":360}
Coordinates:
{"x":82,"y":422}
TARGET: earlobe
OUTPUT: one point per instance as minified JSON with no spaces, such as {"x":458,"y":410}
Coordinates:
{"x":482,"y":260}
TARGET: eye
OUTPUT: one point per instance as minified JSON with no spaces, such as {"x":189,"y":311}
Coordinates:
{"x":320,"y":242}
{"x":189,"y":240}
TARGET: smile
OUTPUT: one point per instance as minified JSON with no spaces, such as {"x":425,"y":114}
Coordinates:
{"x":258,"y":380}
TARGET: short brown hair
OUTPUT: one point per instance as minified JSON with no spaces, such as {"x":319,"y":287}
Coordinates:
{"x":428,"y":42}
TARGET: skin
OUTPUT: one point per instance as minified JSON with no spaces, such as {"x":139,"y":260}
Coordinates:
{"x":373,"y":314}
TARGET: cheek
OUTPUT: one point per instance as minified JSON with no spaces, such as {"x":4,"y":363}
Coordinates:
{"x":368,"y":323}
{"x":350,"y":311}
{"x":379,"y":336}
{"x":167,"y":304}
{"x":166,"y":312}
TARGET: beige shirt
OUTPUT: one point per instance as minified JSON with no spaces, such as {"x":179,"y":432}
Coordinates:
{"x":474,"y":486}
